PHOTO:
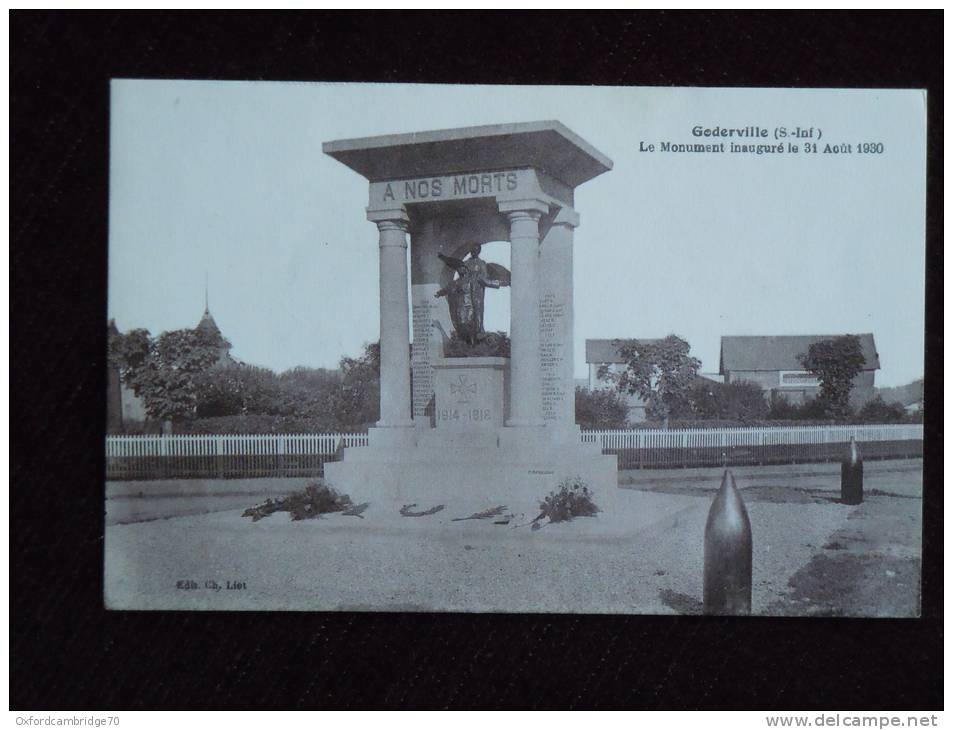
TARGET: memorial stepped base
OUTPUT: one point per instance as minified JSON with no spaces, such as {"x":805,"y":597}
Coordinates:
{"x":469,"y":475}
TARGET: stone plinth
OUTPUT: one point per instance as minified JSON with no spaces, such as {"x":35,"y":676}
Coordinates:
{"x":469,"y":393}
{"x":469,"y":471}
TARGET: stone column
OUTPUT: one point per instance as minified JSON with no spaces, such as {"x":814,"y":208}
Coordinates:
{"x":395,"y":321}
{"x":525,"y":380}
{"x":556,"y":321}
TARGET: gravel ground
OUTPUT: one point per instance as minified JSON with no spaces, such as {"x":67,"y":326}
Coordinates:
{"x":869,"y":567}
{"x":644,"y":555}
{"x":140,"y":501}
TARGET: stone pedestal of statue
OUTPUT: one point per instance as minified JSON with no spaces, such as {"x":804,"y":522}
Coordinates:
{"x":470,"y":461}
{"x":470,"y":393}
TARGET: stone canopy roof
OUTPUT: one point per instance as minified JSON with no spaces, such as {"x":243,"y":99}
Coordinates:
{"x":780,"y":352}
{"x":546,"y":145}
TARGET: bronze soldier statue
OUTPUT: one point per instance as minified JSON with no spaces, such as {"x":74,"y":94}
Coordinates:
{"x":465,"y":293}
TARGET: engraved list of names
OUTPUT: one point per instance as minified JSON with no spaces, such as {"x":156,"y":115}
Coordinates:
{"x":552,"y":355}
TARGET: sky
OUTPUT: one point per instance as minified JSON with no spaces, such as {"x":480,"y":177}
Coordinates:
{"x":227,"y":180}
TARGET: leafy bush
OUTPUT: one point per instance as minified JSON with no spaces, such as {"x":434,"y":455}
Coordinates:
{"x":879,"y":411}
{"x":314,"y":501}
{"x":257,"y":423}
{"x":355,"y":404}
{"x":235,"y":389}
{"x":782,"y":409}
{"x":571,"y":499}
{"x":494,"y":344}
{"x":603,"y":408}
{"x":138,"y":428}
{"x":728,"y":423}
{"x":741,"y":401}
{"x":813,"y":410}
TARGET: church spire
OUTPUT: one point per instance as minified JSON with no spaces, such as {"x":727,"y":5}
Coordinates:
{"x":207,"y":323}
{"x":210,"y":332}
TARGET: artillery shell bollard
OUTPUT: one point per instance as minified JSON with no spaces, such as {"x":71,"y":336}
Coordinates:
{"x":852,"y":476}
{"x":727,"y":581}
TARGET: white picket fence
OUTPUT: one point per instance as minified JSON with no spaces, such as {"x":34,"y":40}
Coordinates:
{"x":756,"y":436}
{"x":247,"y":455}
{"x":227,"y":444}
{"x":757,"y":445}
{"x":224,"y":455}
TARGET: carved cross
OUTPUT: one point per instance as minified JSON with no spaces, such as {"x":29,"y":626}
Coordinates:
{"x":464,"y":389}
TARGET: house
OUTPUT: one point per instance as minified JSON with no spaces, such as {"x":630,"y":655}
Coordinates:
{"x":772,"y":363}
{"x":603,"y":352}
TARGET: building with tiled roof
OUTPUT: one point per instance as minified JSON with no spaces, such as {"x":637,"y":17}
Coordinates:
{"x":771,"y":361}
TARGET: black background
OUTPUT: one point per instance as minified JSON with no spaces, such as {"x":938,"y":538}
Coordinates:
{"x":68,"y":652}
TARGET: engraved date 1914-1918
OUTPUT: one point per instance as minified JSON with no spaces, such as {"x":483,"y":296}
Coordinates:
{"x":211,"y":585}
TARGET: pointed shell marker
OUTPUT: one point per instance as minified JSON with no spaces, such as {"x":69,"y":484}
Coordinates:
{"x":852,"y":476}
{"x":727,"y":577}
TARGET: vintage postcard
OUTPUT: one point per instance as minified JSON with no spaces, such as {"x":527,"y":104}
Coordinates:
{"x":386,"y":347}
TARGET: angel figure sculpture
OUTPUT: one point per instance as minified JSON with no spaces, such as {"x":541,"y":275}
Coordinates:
{"x":465,"y":292}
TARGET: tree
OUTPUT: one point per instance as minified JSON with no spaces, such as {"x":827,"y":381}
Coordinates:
{"x":168,"y":378}
{"x":128,"y":352}
{"x":879,"y":411}
{"x":600,"y":409}
{"x":741,"y":401}
{"x":661,"y":372}
{"x":310,"y":378}
{"x":356,"y":402}
{"x":237,"y":389}
{"x":835,"y":362}
{"x":309,"y":393}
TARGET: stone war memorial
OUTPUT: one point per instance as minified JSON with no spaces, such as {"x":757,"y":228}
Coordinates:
{"x":473,"y":489}
{"x":477,"y":430}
